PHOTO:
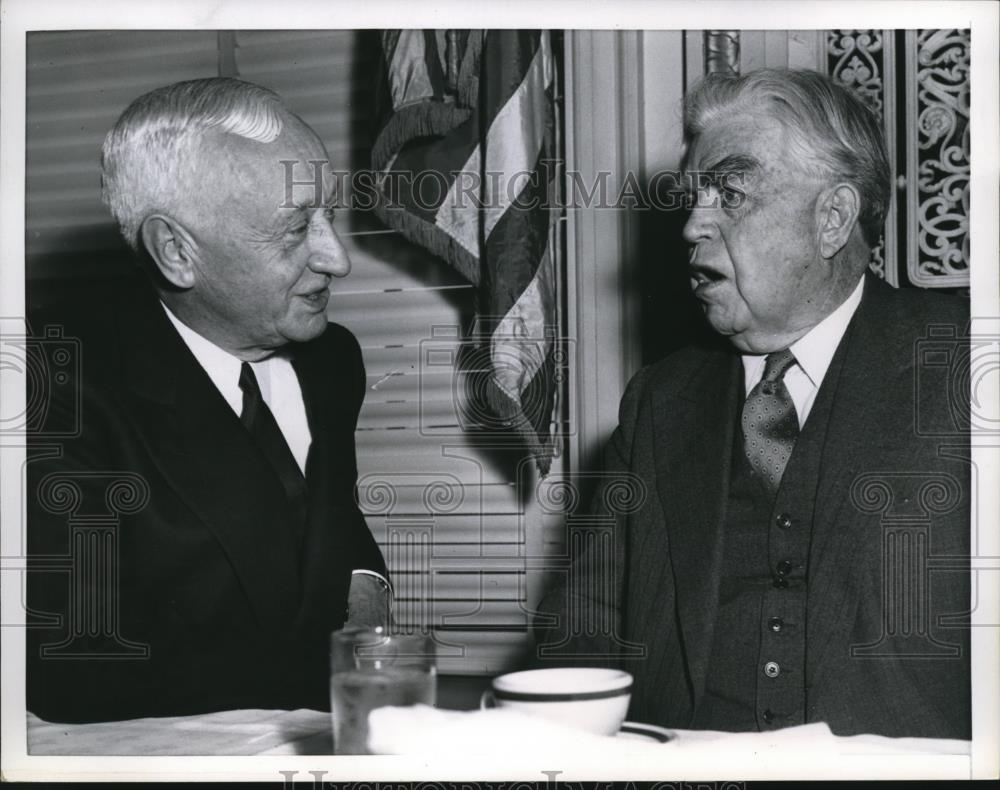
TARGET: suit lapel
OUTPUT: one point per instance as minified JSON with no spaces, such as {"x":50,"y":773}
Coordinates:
{"x":694,"y":441}
{"x":311,"y":381}
{"x":205,"y":454}
{"x":863,"y":395}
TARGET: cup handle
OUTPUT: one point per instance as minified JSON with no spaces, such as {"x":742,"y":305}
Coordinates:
{"x":487,"y":700}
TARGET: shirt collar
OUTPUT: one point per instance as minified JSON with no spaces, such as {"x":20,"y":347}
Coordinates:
{"x":221,"y":366}
{"x":813,"y":351}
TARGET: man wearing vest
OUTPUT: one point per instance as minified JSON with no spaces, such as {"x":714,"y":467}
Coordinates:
{"x":796,"y":553}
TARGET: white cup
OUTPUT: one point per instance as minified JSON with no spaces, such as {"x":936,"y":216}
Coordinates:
{"x":591,"y":699}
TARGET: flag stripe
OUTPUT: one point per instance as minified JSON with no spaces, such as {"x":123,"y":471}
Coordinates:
{"x":416,"y":73}
{"x":524,"y":327}
{"x":516,"y":245}
{"x":507,"y":55}
{"x":458,"y":216}
{"x":516,"y":135}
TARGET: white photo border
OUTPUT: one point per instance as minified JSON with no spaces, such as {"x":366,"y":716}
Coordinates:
{"x":17,"y":17}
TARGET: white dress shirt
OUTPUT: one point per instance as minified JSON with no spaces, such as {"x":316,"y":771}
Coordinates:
{"x":813,"y":353}
{"x":279,"y":386}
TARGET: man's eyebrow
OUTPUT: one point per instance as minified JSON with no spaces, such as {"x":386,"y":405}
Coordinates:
{"x":309,"y":205}
{"x":735,"y":163}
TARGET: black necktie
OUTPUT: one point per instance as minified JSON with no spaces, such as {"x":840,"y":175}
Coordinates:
{"x":770,"y":424}
{"x":266,"y":434}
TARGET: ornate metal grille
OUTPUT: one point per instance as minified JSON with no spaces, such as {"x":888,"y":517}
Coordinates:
{"x":937,"y":120}
{"x":926,"y":116}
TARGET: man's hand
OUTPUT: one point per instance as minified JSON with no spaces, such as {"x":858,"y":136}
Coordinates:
{"x":369,"y":602}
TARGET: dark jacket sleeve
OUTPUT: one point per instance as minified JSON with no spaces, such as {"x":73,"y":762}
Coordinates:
{"x":367,"y":555}
{"x":580,"y":618}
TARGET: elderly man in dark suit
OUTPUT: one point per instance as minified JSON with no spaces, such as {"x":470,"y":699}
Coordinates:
{"x":792,"y":489}
{"x":206,"y":507}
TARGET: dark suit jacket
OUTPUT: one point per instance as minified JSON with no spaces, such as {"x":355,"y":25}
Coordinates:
{"x":896,"y":447}
{"x":164,"y":577}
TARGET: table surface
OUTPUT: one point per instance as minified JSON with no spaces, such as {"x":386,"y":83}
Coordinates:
{"x":308,"y":732}
{"x":233,"y":732}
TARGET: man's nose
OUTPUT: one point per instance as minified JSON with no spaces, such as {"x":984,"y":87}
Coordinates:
{"x":700,"y":224}
{"x":327,"y":253}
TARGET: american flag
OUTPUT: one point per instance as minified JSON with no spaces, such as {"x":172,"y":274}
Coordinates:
{"x":464,"y":160}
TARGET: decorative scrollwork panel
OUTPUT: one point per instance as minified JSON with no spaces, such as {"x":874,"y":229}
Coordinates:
{"x":856,"y":60}
{"x":863,"y":60}
{"x":931,"y":158}
{"x":938,"y":168}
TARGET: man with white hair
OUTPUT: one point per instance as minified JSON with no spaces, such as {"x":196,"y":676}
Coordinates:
{"x":217,"y":396}
{"x":797,"y":482}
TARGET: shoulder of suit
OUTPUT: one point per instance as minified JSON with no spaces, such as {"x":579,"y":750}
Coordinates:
{"x":82,"y":317}
{"x":912,"y":312}
{"x":339,"y":340}
{"x":338,"y":349}
{"x":918,"y":302}
{"x":678,"y":367}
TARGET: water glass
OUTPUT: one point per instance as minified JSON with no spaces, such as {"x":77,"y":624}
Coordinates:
{"x":371,"y":668}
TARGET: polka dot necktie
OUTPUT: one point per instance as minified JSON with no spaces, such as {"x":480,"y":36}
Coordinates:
{"x":770,"y":424}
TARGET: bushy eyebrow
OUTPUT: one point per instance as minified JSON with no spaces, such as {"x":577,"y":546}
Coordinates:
{"x":742,"y":164}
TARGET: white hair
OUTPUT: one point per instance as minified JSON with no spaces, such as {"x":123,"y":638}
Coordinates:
{"x":833,"y":132}
{"x":148,"y":156}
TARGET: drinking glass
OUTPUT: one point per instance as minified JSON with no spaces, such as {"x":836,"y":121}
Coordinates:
{"x":371,"y":668}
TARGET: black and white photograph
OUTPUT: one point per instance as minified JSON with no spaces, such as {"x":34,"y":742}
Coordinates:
{"x":554,"y":392}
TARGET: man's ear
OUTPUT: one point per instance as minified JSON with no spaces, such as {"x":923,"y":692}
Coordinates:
{"x":837,"y":215}
{"x":171,"y":248}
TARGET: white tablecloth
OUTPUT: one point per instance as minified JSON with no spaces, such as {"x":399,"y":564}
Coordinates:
{"x":233,"y":732}
{"x":425,"y":731}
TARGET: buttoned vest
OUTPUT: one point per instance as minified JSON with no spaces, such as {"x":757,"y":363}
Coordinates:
{"x":756,"y":672}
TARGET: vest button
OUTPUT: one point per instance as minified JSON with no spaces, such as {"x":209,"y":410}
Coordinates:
{"x":768,"y":716}
{"x":784,"y":567}
{"x":784,"y":521}
{"x":780,"y":583}
{"x":771,"y":669}
{"x":776,"y":624}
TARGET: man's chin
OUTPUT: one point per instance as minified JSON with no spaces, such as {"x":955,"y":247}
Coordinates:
{"x":305,"y":328}
{"x":740,"y":337}
{"x":721,"y":320}
{"x":744,"y":345}
{"x":757,"y":343}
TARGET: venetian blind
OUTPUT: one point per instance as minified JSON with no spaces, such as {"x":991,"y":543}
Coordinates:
{"x":78,"y":83}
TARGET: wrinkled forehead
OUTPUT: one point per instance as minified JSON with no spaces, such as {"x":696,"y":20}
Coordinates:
{"x":292,"y":169}
{"x":742,"y":136}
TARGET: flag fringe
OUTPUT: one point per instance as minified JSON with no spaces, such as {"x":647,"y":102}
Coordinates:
{"x":432,"y":238}
{"x":425,"y":119}
{"x":422,"y":119}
